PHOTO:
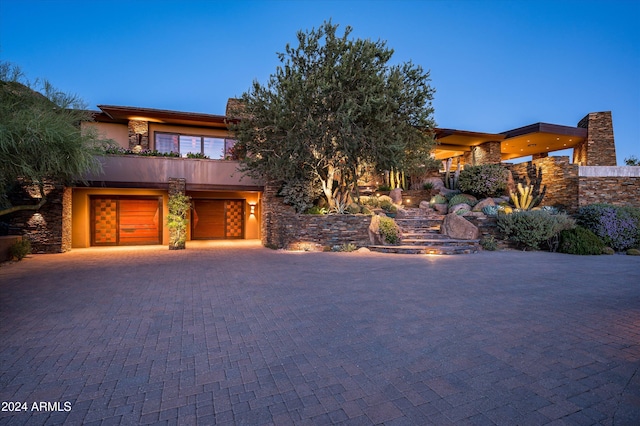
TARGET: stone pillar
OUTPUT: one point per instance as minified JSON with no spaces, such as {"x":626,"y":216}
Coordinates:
{"x":599,"y":147}
{"x":138,"y":134}
{"x":486,"y":153}
{"x":67,"y":197}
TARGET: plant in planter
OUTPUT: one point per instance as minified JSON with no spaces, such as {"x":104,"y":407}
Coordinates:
{"x":179,"y":205}
{"x":389,"y":230}
{"x":389,"y":208}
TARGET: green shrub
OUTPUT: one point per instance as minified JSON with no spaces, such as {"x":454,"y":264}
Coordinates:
{"x":197,"y":155}
{"x":20,"y":249}
{"x":369,"y":201}
{"x":353,"y":208}
{"x":633,"y":252}
{"x":346,"y":247}
{"x":489,"y":243}
{"x":462,"y":199}
{"x":532,"y":228}
{"x":300,"y":194}
{"x":316,"y":210}
{"x":581,"y":241}
{"x":453,"y":193}
{"x":437,"y":199}
{"x":389,"y":230}
{"x":384,"y":188}
{"x":179,"y":205}
{"x":488,"y":180}
{"x":388,"y":206}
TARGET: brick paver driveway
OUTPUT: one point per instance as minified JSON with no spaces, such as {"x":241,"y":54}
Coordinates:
{"x":238,"y":334}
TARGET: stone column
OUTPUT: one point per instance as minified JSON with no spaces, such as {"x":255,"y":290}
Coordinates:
{"x":138,"y":134}
{"x":539,"y":156}
{"x":599,"y":148}
{"x":487,"y":153}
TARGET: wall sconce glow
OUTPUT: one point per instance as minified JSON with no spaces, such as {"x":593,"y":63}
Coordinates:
{"x":252,"y":209}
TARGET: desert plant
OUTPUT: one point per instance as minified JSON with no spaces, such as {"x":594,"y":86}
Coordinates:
{"x":608,"y":250}
{"x":581,"y":241}
{"x":524,"y":199}
{"x":353,"y":208}
{"x":531,"y":229}
{"x":179,"y":205}
{"x":388,"y":206}
{"x":20,"y":249}
{"x":451,"y":182}
{"x":487,"y":180}
{"x":346,"y":247}
{"x":633,"y":252}
{"x":462,"y":199}
{"x":369,"y":201}
{"x":437,"y":199}
{"x":617,"y":227}
{"x":490,"y":210}
{"x":389,"y":230}
{"x":489,"y":243}
{"x":427,"y":186}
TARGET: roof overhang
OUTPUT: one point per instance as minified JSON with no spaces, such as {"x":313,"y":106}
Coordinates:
{"x":528,"y":140}
{"x":121,"y":114}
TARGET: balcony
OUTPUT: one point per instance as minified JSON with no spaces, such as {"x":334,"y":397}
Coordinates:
{"x":132,"y":171}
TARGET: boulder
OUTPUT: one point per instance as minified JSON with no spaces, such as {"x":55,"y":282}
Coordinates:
{"x":482,"y":204}
{"x":374,"y":231}
{"x":436,"y":182}
{"x":441,"y":208}
{"x":396,"y":196}
{"x":458,"y":227}
{"x":457,"y":207}
{"x":444,"y":191}
{"x":424,"y":205}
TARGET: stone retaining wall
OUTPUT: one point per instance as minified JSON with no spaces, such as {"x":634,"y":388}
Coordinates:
{"x":282,"y":227}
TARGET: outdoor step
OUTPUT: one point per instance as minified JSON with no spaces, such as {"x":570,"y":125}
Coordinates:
{"x":437,"y":242}
{"x":418,"y":222}
{"x":404,"y":249}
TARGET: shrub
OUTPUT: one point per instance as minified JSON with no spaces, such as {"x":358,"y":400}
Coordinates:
{"x":353,"y":208}
{"x":617,"y":227}
{"x":633,"y":252}
{"x":532,"y":228}
{"x":462,"y":199}
{"x":300,"y":194}
{"x":346,"y":247}
{"x":198,"y":155}
{"x":487,"y":180}
{"x":369,"y":201}
{"x":608,"y":250}
{"x":179,"y":205}
{"x":581,"y":241}
{"x":489,"y":243}
{"x":316,"y":210}
{"x":389,"y":231}
{"x":20,"y":249}
{"x":365,"y":210}
{"x":384,"y":198}
{"x":453,"y":193}
{"x":388,"y":206}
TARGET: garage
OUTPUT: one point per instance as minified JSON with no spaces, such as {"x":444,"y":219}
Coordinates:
{"x":121,"y":220}
{"x":217,"y":219}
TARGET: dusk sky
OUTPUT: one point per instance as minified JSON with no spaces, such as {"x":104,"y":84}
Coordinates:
{"x":495,"y":65}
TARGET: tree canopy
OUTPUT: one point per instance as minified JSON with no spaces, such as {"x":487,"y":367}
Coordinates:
{"x":41,"y":140}
{"x":334,"y":106}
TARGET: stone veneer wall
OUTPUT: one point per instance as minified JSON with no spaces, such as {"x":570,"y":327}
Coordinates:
{"x":48,"y":229}
{"x":619,"y":191}
{"x":282,"y":227}
{"x":599,"y":147}
{"x":486,"y":153}
{"x":138,"y":134}
{"x":553,"y":177}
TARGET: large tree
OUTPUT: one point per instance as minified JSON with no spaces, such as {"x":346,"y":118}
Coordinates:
{"x":41,"y":140}
{"x":334,"y":107}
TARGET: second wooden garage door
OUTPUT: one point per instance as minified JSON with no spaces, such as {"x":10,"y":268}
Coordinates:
{"x":217,"y":219}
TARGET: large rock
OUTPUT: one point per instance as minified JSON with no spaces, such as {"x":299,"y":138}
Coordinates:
{"x":396,"y":196}
{"x":444,"y":191}
{"x":459,"y":228}
{"x":461,"y":206}
{"x":482,"y":204}
{"x":425,"y":205}
{"x":441,"y":208}
{"x":436,"y":182}
{"x":374,"y":231}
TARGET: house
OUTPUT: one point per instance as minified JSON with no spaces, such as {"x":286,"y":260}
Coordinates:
{"x":127,"y":203}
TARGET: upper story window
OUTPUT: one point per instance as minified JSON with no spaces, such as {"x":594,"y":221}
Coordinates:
{"x":212,"y":147}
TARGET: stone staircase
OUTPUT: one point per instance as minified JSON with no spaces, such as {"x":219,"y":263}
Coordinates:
{"x":421,"y":235}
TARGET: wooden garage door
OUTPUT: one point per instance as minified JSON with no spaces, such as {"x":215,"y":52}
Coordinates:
{"x":217,"y":219}
{"x":126,"y":221}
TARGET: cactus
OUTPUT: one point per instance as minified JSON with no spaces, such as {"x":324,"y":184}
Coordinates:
{"x":449,"y":181}
{"x":525,"y":198}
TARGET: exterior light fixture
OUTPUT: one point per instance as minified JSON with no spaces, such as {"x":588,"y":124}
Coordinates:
{"x":252,"y":209}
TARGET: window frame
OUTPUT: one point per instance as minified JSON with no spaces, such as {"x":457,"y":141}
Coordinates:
{"x":228,"y":143}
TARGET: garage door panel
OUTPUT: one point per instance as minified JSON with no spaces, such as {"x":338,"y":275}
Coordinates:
{"x":138,"y":221}
{"x":217,"y":219}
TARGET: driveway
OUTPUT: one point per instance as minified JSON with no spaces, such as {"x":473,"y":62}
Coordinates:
{"x":234,"y":333}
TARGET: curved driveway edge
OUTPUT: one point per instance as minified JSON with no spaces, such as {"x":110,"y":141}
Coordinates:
{"x":233,"y":333}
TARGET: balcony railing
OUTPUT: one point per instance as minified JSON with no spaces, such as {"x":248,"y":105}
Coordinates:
{"x":141,"y":171}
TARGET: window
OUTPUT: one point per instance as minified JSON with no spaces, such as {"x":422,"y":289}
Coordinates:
{"x":212,"y":147}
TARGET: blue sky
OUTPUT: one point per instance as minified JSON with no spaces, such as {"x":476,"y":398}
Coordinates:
{"x":495,"y":65}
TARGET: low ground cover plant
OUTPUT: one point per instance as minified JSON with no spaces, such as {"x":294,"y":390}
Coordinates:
{"x":617,"y":227}
{"x":20,"y":249}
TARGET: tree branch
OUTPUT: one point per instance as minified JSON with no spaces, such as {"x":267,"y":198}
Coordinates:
{"x":14,"y":209}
